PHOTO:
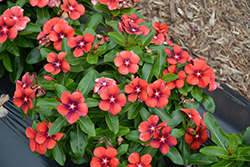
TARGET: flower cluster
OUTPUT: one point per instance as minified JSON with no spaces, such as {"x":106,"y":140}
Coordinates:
{"x":130,"y":24}
{"x":40,"y":140}
{"x":43,"y":3}
{"x":11,"y":22}
{"x":178,"y":83}
{"x":159,"y":134}
{"x":160,"y":34}
{"x":74,"y":9}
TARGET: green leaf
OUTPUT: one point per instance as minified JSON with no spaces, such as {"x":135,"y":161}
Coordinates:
{"x":102,"y":8}
{"x":112,"y":122}
{"x":184,"y":148}
{"x":21,"y":2}
{"x":177,"y":133}
{"x":163,"y":114}
{"x":12,"y":48}
{"x":92,"y":58}
{"x":118,"y":38}
{"x":87,"y":83}
{"x":146,"y":39}
{"x":22,"y":42}
{"x":215,"y":151}
{"x":225,"y":163}
{"x":30,"y":28}
{"x":42,"y":15}
{"x":134,"y":110}
{"x":89,"y":30}
{"x":208,"y":103}
{"x":246,"y":138}
{"x":175,"y":156}
{"x":196,"y":92}
{"x":72,"y":60}
{"x":34,"y":56}
{"x":87,"y":125}
{"x":133,"y":135}
{"x":91,"y":102}
{"x":218,"y":136}
{"x":196,"y":159}
{"x":169,"y":77}
{"x":44,"y":52}
{"x":76,"y":68}
{"x":78,"y":141}
{"x":177,"y":117}
{"x":50,"y":85}
{"x":233,"y":143}
{"x":122,"y":150}
{"x":7,"y":63}
{"x":59,"y":154}
{"x":122,"y":131}
{"x":146,"y":71}
{"x":57,"y":125}
{"x":48,"y":102}
{"x":184,"y":89}
{"x":3,"y":46}
{"x":93,"y":21}
{"x":144,"y":114}
{"x":149,"y":150}
{"x":60,"y":89}
{"x":110,"y":56}
{"x":161,"y":61}
{"x":1,"y":69}
{"x":18,"y":67}
{"x":243,"y":154}
{"x":65,"y":47}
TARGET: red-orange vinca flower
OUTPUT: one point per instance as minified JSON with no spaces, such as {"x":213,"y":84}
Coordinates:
{"x":178,"y":56}
{"x":22,"y":98}
{"x":75,"y":10}
{"x":193,"y":115}
{"x":127,"y":62}
{"x":158,"y":94}
{"x":137,"y":161}
{"x":112,"y":4}
{"x":57,"y":63}
{"x":43,"y":137}
{"x":198,"y":73}
{"x":54,"y":3}
{"x":72,"y":106}
{"x":149,"y":127}
{"x":39,"y":3}
{"x":50,"y":24}
{"x":6,"y":29}
{"x":178,"y":83}
{"x":34,"y":146}
{"x":16,"y":14}
{"x":59,"y":32}
{"x":132,"y":18}
{"x":43,"y":39}
{"x":163,"y":140}
{"x":197,"y":139}
{"x":137,"y":86}
{"x":213,"y":85}
{"x":133,"y":28}
{"x":103,"y":82}
{"x":26,"y":81}
{"x":104,"y":157}
{"x":160,"y":28}
{"x":82,"y":43}
{"x":158,"y":39}
{"x":112,"y":101}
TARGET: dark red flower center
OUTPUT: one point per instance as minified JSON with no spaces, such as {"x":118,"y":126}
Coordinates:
{"x":138,"y":89}
{"x":197,"y":136}
{"x":104,"y":83}
{"x":71,"y":8}
{"x":157,"y":94}
{"x":5,"y":29}
{"x":112,"y":99}
{"x":127,"y":62}
{"x":61,"y":36}
{"x":58,"y":64}
{"x":198,"y":74}
{"x":25,"y":99}
{"x":162,"y":139}
{"x":105,"y":160}
{"x":176,"y":56}
{"x":72,"y":106}
{"x":140,"y":165}
{"x":81,"y":44}
{"x":152,"y":128}
{"x":15,"y":18}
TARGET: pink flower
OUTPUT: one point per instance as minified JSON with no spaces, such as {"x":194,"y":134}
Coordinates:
{"x":39,"y":3}
{"x":75,"y":10}
{"x":6,"y":29}
{"x":137,"y":86}
{"x":178,"y":56}
{"x":112,"y":4}
{"x":137,"y":161}
{"x":22,"y":98}
{"x":26,"y":82}
{"x":103,"y":82}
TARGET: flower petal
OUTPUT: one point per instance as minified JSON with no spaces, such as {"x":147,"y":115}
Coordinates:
{"x":134,"y":158}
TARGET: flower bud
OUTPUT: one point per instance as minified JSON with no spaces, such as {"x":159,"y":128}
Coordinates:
{"x":96,"y":46}
{"x":120,"y":27}
{"x":48,"y":78}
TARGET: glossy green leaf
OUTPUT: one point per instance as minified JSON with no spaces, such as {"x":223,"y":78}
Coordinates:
{"x":60,"y":89}
{"x":233,"y":143}
{"x":110,"y":56}
{"x":93,"y":21}
{"x":163,"y":114}
{"x":225,"y":163}
{"x":133,"y":135}
{"x":196,"y":159}
{"x":134,"y":110}
{"x":42,"y":15}
{"x":218,"y":136}
{"x":243,"y":154}
{"x":91,"y":102}
{"x":118,"y":38}
{"x":102,"y":7}
{"x":1,"y":69}
{"x":48,"y":102}
{"x":34,"y":56}
{"x":184,"y":148}
{"x":112,"y":122}
{"x":175,"y":156}
{"x":208,"y":102}
{"x":169,"y":77}
{"x":246,"y":138}
{"x":146,"y":39}
{"x":196,"y":92}
{"x":30,"y":28}
{"x":76,"y":68}
{"x":17,"y":65}
{"x":92,"y":58}
{"x":72,"y":60}
{"x":44,"y":52}
{"x":177,"y":133}
{"x":144,"y":114}
{"x":57,"y":125}
{"x":3,"y":46}
{"x":149,"y":150}
{"x":177,"y":117}
{"x":78,"y":141}
{"x":59,"y":154}
{"x":87,"y":83}
{"x":122,"y":131}
{"x":65,"y":47}
{"x":87,"y":125}
{"x":21,"y":2}
{"x":184,"y":89}
{"x":215,"y":151}
{"x":7,"y":63}
{"x":146,"y":71}
{"x":12,"y":48}
{"x":122,"y":149}
{"x":21,"y":41}
{"x":161,"y":61}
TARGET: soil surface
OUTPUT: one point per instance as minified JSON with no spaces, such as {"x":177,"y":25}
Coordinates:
{"x":216,"y":30}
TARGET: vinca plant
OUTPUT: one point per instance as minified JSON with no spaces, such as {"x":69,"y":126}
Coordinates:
{"x":112,"y":90}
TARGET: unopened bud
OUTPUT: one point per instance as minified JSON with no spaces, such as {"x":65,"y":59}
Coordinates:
{"x":96,"y":46}
{"x":120,"y":27}
{"x":106,"y":39}
{"x":48,"y":78}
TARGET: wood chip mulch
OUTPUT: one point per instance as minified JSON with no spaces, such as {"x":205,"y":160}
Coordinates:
{"x":216,"y":30}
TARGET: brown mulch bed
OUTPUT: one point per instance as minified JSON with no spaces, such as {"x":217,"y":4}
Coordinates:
{"x":217,"y":30}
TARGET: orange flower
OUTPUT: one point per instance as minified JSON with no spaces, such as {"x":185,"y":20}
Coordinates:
{"x":127,"y":62}
{"x":39,"y":3}
{"x":137,"y":86}
{"x":112,"y":4}
{"x":178,"y":56}
{"x":22,"y":98}
{"x":6,"y":29}
{"x":178,"y":83}
{"x":137,"y":161}
{"x":75,"y":10}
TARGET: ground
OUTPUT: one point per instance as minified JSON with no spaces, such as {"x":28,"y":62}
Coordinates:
{"x":217,"y":30}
